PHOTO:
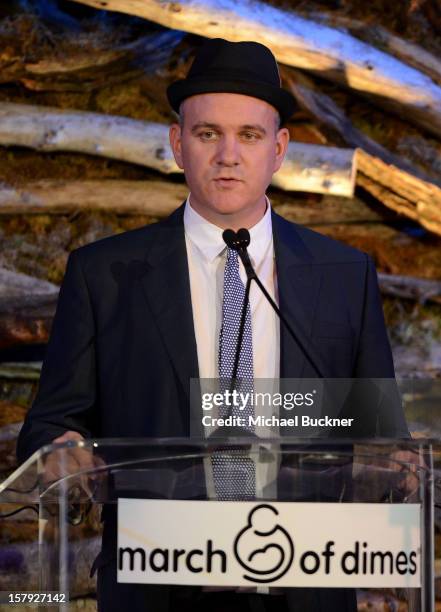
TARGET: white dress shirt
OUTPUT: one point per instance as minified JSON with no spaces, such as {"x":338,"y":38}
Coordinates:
{"x":206,"y":253}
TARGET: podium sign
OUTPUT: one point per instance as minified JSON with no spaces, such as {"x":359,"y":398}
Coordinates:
{"x":231,"y":543}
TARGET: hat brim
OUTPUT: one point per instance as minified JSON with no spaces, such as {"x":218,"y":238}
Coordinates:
{"x":281,"y":99}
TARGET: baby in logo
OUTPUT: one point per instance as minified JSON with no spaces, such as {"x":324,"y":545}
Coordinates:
{"x":263,"y":547}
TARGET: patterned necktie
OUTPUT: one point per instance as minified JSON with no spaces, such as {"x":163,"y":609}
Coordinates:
{"x":234,"y":475}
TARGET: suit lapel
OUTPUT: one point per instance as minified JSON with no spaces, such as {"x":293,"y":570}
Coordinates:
{"x":167,"y":290}
{"x":298,"y":281}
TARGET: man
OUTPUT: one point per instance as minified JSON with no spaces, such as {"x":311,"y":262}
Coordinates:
{"x":140,"y":314}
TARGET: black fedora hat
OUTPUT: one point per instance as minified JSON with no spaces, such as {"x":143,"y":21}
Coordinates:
{"x":245,"y":67}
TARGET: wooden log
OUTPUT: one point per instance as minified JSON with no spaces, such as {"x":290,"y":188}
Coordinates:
{"x":419,"y":289}
{"x":155,"y":198}
{"x":296,"y":41}
{"x":326,"y":112}
{"x":15,"y":284}
{"x":52,"y":129}
{"x":27,"y":371}
{"x":96,"y":59}
{"x":401,"y":191}
{"x":312,"y":168}
{"x":395,"y":182}
{"x":378,"y":36}
{"x":27,"y":306}
{"x":317,"y":169}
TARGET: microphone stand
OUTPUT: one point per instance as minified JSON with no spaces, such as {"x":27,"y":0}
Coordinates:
{"x":241,"y":330}
{"x":239,"y":242}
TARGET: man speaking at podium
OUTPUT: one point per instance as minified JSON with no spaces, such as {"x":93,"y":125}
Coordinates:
{"x":141,"y":313}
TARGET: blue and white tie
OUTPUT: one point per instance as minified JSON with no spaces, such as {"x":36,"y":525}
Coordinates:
{"x":234,"y":474}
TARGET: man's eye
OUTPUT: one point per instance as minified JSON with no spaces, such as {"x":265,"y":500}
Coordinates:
{"x":204,"y":134}
{"x":251,"y":134}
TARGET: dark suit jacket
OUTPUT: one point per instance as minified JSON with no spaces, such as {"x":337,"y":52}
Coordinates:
{"x":122,"y":347}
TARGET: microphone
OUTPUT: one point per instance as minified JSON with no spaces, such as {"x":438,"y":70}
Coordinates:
{"x":239,"y":241}
{"x":236,"y":240}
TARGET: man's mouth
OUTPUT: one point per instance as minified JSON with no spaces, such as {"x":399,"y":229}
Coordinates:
{"x":227,"y":182}
{"x":227,"y":179}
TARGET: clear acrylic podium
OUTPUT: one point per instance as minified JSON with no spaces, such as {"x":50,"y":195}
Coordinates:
{"x":64,"y":488}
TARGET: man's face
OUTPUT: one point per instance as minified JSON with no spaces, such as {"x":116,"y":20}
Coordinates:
{"x":229,"y":148}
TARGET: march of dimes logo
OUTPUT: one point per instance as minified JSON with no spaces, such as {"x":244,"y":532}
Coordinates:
{"x":264,"y":548}
{"x":288,"y":544}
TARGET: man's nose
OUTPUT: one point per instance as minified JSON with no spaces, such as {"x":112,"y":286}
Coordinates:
{"x":228,"y":151}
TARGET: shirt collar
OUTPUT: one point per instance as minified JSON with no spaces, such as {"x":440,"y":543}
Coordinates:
{"x":207,"y":237}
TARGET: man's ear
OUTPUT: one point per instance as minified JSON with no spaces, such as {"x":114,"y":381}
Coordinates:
{"x":175,"y":143}
{"x":282,"y":141}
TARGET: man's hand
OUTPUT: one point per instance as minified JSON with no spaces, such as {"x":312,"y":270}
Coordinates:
{"x":68,"y":435}
{"x":69,"y":462}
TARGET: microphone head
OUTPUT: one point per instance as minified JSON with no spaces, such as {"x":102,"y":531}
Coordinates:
{"x":243,"y":236}
{"x":236,"y":240}
{"x":230,"y":237}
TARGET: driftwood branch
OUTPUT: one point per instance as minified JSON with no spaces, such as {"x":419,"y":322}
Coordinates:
{"x":317,"y":169}
{"x":27,"y":306}
{"x":312,"y":168}
{"x":52,"y":129}
{"x":154,"y":198}
{"x":26,"y":370}
{"x":326,"y":112}
{"x":401,"y":191}
{"x":83,"y":63}
{"x":380,"y":37}
{"x":296,"y":41}
{"x":419,"y":289}
{"x":393,"y":181}
{"x":16,"y":285}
